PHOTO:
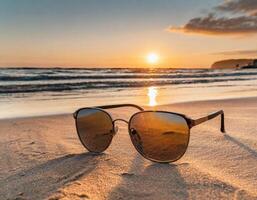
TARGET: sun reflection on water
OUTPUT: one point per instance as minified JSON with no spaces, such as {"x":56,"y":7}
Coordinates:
{"x":152,"y":94}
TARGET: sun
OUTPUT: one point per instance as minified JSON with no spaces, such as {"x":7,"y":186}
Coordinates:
{"x":152,"y":58}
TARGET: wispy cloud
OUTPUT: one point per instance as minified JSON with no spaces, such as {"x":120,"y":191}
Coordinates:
{"x":239,"y":52}
{"x":243,"y":6}
{"x":218,"y":23}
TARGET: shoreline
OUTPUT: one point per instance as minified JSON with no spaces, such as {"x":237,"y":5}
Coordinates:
{"x":144,"y":106}
{"x":50,"y":92}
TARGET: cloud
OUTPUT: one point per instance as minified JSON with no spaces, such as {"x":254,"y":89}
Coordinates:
{"x":246,"y":23}
{"x":243,"y":6}
{"x":221,"y":26}
{"x":239,"y":52}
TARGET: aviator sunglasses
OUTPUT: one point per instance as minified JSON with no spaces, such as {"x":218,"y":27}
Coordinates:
{"x":159,"y":136}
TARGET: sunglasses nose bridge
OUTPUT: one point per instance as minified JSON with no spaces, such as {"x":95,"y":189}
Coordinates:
{"x":122,"y":120}
{"x":116,"y":128}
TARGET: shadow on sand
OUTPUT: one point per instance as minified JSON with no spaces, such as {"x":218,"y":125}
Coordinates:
{"x":156,"y":181}
{"x":41,"y":180}
{"x":242,"y":145}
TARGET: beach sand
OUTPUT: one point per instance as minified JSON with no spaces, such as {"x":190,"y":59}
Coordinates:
{"x":42,"y":158}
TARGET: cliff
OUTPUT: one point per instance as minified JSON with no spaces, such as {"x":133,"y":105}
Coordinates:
{"x":232,"y":63}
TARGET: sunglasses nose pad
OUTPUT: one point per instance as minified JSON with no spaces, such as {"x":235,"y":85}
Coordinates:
{"x":137,"y":139}
{"x":116,"y":129}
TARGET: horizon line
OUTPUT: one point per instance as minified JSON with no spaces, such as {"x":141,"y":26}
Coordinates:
{"x":102,"y":67}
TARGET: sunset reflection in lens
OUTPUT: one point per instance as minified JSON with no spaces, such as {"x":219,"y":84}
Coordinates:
{"x":95,"y":129}
{"x":159,"y":136}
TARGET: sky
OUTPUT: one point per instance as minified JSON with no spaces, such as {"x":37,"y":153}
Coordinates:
{"x":121,"y":33}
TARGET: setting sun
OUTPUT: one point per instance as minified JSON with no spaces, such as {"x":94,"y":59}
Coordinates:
{"x":152,"y":58}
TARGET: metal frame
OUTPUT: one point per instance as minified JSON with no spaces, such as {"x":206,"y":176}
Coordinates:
{"x":195,"y":122}
{"x":190,"y":122}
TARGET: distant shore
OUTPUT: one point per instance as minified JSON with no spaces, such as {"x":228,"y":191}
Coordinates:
{"x":235,"y":64}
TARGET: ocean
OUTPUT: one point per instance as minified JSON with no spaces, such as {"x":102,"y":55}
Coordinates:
{"x":40,"y":91}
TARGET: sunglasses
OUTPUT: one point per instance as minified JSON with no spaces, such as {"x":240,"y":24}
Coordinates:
{"x":158,"y":136}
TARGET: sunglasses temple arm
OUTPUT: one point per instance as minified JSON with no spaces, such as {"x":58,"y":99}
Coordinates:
{"x":198,"y":121}
{"x":120,"y":105}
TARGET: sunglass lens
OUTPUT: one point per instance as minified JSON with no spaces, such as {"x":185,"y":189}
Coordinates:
{"x":95,"y":129}
{"x":159,"y":136}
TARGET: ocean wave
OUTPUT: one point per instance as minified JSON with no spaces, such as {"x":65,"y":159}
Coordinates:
{"x":29,"y":80}
{"x":29,"y":88}
{"x":51,"y":77}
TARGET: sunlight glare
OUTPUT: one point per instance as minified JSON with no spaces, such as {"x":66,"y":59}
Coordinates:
{"x":152,"y":94}
{"x":152,"y":58}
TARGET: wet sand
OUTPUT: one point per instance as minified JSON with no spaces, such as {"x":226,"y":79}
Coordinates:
{"x":42,"y":158}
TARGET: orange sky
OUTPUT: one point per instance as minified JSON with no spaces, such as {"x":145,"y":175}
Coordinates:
{"x":118,"y":34}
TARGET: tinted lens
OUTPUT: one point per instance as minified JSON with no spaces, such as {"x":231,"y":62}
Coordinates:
{"x":95,"y":129}
{"x":159,"y":136}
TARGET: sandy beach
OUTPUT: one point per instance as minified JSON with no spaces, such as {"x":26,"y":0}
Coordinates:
{"x":193,"y":58}
{"x":42,"y":158}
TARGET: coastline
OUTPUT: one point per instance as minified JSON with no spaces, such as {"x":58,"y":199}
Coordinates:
{"x":44,"y":159}
{"x":74,"y":107}
{"x":29,"y":92}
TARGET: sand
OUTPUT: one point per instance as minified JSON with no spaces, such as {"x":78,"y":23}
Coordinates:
{"x":42,"y":158}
